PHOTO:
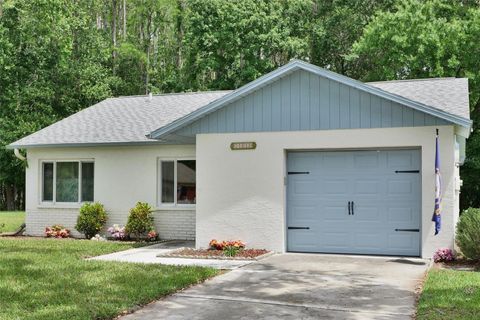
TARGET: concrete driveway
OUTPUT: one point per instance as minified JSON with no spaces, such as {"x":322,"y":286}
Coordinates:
{"x":300,"y":286}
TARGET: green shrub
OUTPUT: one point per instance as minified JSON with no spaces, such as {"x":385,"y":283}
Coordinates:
{"x":140,"y":220}
{"x":231,"y":251}
{"x":91,"y":219}
{"x":468,"y":233}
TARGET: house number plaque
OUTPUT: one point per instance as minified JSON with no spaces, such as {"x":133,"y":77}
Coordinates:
{"x":249,"y":145}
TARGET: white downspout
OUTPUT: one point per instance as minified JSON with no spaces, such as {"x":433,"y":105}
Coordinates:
{"x":19,"y":155}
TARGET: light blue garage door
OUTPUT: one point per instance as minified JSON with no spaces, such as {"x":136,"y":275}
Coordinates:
{"x":361,"y":202}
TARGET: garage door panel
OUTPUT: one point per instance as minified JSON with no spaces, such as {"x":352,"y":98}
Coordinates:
{"x":402,"y":160}
{"x":365,"y":160}
{"x":336,"y":240}
{"x":383,"y":201}
{"x":367,"y":186}
{"x":401,"y":215}
{"x":304,"y":187}
{"x":334,"y":213}
{"x":369,"y":241}
{"x":304,"y":213}
{"x":367,"y":213}
{"x":333,"y":161}
{"x":399,"y":187}
{"x":302,"y":240}
{"x":297,"y":162}
{"x":405,"y":241}
{"x":335,"y":187}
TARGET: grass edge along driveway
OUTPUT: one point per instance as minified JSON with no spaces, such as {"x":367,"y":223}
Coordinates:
{"x":450,"y":294}
{"x":49,"y":279}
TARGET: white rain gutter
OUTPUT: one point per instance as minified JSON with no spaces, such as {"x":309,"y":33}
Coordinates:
{"x":19,"y":155}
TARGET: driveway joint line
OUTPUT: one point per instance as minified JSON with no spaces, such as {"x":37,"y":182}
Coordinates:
{"x":298,"y":305}
{"x":328,"y":274}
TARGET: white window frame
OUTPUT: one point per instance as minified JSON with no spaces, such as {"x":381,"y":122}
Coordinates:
{"x":54,"y":201}
{"x":173,"y":204}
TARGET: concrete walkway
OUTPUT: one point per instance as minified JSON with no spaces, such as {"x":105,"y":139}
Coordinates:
{"x":300,"y":286}
{"x":150,"y":254}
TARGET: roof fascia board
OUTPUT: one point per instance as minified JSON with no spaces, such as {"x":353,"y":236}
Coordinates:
{"x":296,"y":65}
{"x":462,"y":131}
{"x":91,"y":144}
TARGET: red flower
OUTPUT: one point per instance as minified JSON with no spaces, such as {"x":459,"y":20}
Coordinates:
{"x":216,"y":245}
{"x":57,"y":231}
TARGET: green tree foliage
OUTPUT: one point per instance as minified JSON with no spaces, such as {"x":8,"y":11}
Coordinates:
{"x":233,"y":42}
{"x":60,"y":56}
{"x":52,"y":63}
{"x":337,"y":25}
{"x":421,"y":39}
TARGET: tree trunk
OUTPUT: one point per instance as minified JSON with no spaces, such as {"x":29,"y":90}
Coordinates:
{"x":3,"y":205}
{"x":99,"y":21}
{"x":148,"y":44}
{"x":21,"y":198}
{"x":10,"y":197}
{"x":180,"y":32}
{"x":124,"y":19}
{"x":114,"y":33}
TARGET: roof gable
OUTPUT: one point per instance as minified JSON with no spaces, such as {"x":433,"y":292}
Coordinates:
{"x":304,"y":101}
{"x":406,"y":112}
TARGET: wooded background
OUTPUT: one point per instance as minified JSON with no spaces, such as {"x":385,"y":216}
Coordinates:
{"x":60,"y":56}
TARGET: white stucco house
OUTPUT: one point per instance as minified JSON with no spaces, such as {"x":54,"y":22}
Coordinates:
{"x":301,"y":159}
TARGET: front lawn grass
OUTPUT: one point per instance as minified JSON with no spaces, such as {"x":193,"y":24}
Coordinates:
{"x":450,"y":294}
{"x":11,"y":220}
{"x":49,"y":279}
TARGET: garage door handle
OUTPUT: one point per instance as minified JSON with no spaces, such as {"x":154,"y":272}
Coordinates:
{"x":298,"y":172}
{"x":408,"y":230}
{"x":298,"y":228}
{"x":349,"y":210}
{"x":407,"y":171}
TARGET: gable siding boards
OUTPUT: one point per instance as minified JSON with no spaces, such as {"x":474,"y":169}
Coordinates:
{"x":305,"y":101}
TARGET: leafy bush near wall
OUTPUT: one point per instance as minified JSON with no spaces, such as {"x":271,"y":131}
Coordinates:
{"x":140,"y":220}
{"x":468,"y":233}
{"x":92,"y":219}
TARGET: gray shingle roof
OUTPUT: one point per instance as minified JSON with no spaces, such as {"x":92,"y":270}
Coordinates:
{"x":119,"y":120}
{"x":125,"y":120}
{"x":447,"y":94}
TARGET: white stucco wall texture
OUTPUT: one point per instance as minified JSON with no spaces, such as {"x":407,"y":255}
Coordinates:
{"x":241,"y":194}
{"x":123,"y":176}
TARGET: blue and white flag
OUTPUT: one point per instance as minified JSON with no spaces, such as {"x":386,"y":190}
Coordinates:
{"x":438,"y":190}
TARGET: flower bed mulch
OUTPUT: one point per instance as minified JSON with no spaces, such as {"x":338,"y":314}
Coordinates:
{"x":459,"y":264}
{"x":245,"y":254}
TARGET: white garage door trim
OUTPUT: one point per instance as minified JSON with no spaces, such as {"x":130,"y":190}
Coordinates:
{"x":384,"y":211}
